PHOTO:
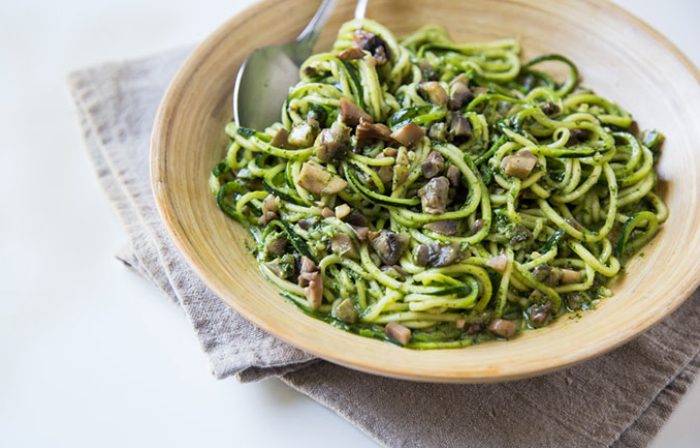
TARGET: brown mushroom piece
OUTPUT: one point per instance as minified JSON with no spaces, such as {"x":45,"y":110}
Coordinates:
{"x":276,"y":246}
{"x":548,"y":275}
{"x":302,"y":135}
{"x":372,"y":43}
{"x":460,"y":95}
{"x":434,"y":195}
{"x":398,"y":332}
{"x":359,"y":224}
{"x":550,"y":108}
{"x":454,"y":175}
{"x":498,"y":263}
{"x":437,"y":255}
{"x":438,"y":131}
{"x":539,"y":313}
{"x":270,"y":207}
{"x":307,"y":264}
{"x":570,"y":276}
{"x":283,"y":267}
{"x":433,"y":165}
{"x":476,"y":226}
{"x":503,"y":328}
{"x":367,"y":131}
{"x":314,"y":289}
{"x":342,"y":244}
{"x":327,"y":212}
{"x":577,"y":135}
{"x":448,"y":227}
{"x":519,"y":165}
{"x":389,"y":245}
{"x":343,"y":309}
{"x":408,"y":134}
{"x":386,"y":173}
{"x":316,"y":180}
{"x":280,"y":140}
{"x":333,"y":143}
{"x":350,"y":113}
{"x":434,"y":92}
{"x":459,"y":127}
{"x":350,"y":54}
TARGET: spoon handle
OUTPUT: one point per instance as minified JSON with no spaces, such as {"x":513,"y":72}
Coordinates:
{"x":312,"y":30}
{"x":361,"y":9}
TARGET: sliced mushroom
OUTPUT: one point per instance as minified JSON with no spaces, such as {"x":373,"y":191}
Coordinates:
{"x":372,"y":43}
{"x":306,"y":223}
{"x":449,"y":227}
{"x":434,"y":195}
{"x":550,"y":108}
{"x":362,"y":233}
{"x":498,"y":263}
{"x":476,"y":226}
{"x":398,"y":332}
{"x":539,"y":313}
{"x":437,"y":255}
{"x":350,"y":54}
{"x":432,"y":165}
{"x":355,"y":218}
{"x":276,"y":246}
{"x":438,"y":131}
{"x":333,"y":143}
{"x":280,"y":140}
{"x":389,"y":245}
{"x":428,"y":72}
{"x":571,"y":276}
{"x":350,"y":113}
{"x":502,"y":327}
{"x":519,"y":165}
{"x":342,"y":244}
{"x":459,"y":127}
{"x":327,"y":212}
{"x":460,"y":95}
{"x":307,"y":264}
{"x":454,"y":175}
{"x":577,"y":135}
{"x":342,"y":210}
{"x":314,"y":289}
{"x":283,"y":267}
{"x":302,"y":135}
{"x":548,"y":275}
{"x":433,"y":92}
{"x":386,"y":173}
{"x":344,"y":309}
{"x":367,"y":131}
{"x":520,"y":234}
{"x":409,"y":134}
{"x":316,"y":180}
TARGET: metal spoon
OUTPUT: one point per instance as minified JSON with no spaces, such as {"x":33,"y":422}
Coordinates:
{"x":263,"y":81}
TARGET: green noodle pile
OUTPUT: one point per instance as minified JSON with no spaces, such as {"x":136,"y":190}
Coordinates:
{"x":587,"y":206}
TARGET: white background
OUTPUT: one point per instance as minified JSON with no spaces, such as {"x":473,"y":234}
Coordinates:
{"x":91,"y":354}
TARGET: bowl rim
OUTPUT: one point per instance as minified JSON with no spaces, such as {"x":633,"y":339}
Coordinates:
{"x":178,"y":236}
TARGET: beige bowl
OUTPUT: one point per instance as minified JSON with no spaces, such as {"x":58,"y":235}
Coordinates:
{"x":618,"y":55}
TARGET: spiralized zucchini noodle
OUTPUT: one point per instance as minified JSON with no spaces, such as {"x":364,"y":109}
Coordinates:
{"x":436,"y":194}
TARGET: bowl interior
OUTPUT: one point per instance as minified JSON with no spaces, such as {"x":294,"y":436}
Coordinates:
{"x":617,"y":55}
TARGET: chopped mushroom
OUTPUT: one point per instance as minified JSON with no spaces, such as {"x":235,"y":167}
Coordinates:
{"x":359,"y":224}
{"x":342,"y":210}
{"x":476,"y":226}
{"x":386,"y":173}
{"x":307,"y":264}
{"x":327,"y":212}
{"x":577,"y":135}
{"x":571,"y":276}
{"x":550,"y":108}
{"x":460,"y":95}
{"x":438,"y":131}
{"x":333,"y":142}
{"x":434,"y":195}
{"x":389,"y":245}
{"x":454,"y":175}
{"x":398,"y":332}
{"x":342,"y":244}
{"x":548,"y":275}
{"x":302,"y":135}
{"x":437,"y":255}
{"x":390,"y":152}
{"x":502,"y":327}
{"x":280,"y":138}
{"x":367,"y":131}
{"x":351,"y":114}
{"x":276,"y":246}
{"x":372,"y":43}
{"x":434,"y":93}
{"x":408,"y":134}
{"x":314,"y":289}
{"x":459,"y":127}
{"x":432,"y":165}
{"x":449,"y":227}
{"x":316,"y":180}
{"x":539,"y":313}
{"x":343,"y":309}
{"x":519,"y":165}
{"x":498,"y":263}
{"x":270,"y":207}
{"x":350,"y":54}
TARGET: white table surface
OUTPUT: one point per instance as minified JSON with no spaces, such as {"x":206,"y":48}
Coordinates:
{"x":91,"y":354}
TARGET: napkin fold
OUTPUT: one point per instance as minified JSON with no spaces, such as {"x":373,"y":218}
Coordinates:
{"x":620,"y":399}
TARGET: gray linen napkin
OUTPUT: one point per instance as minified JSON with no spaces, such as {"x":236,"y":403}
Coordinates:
{"x":620,"y":399}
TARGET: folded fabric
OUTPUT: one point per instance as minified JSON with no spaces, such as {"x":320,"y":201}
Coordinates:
{"x":620,"y":399}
